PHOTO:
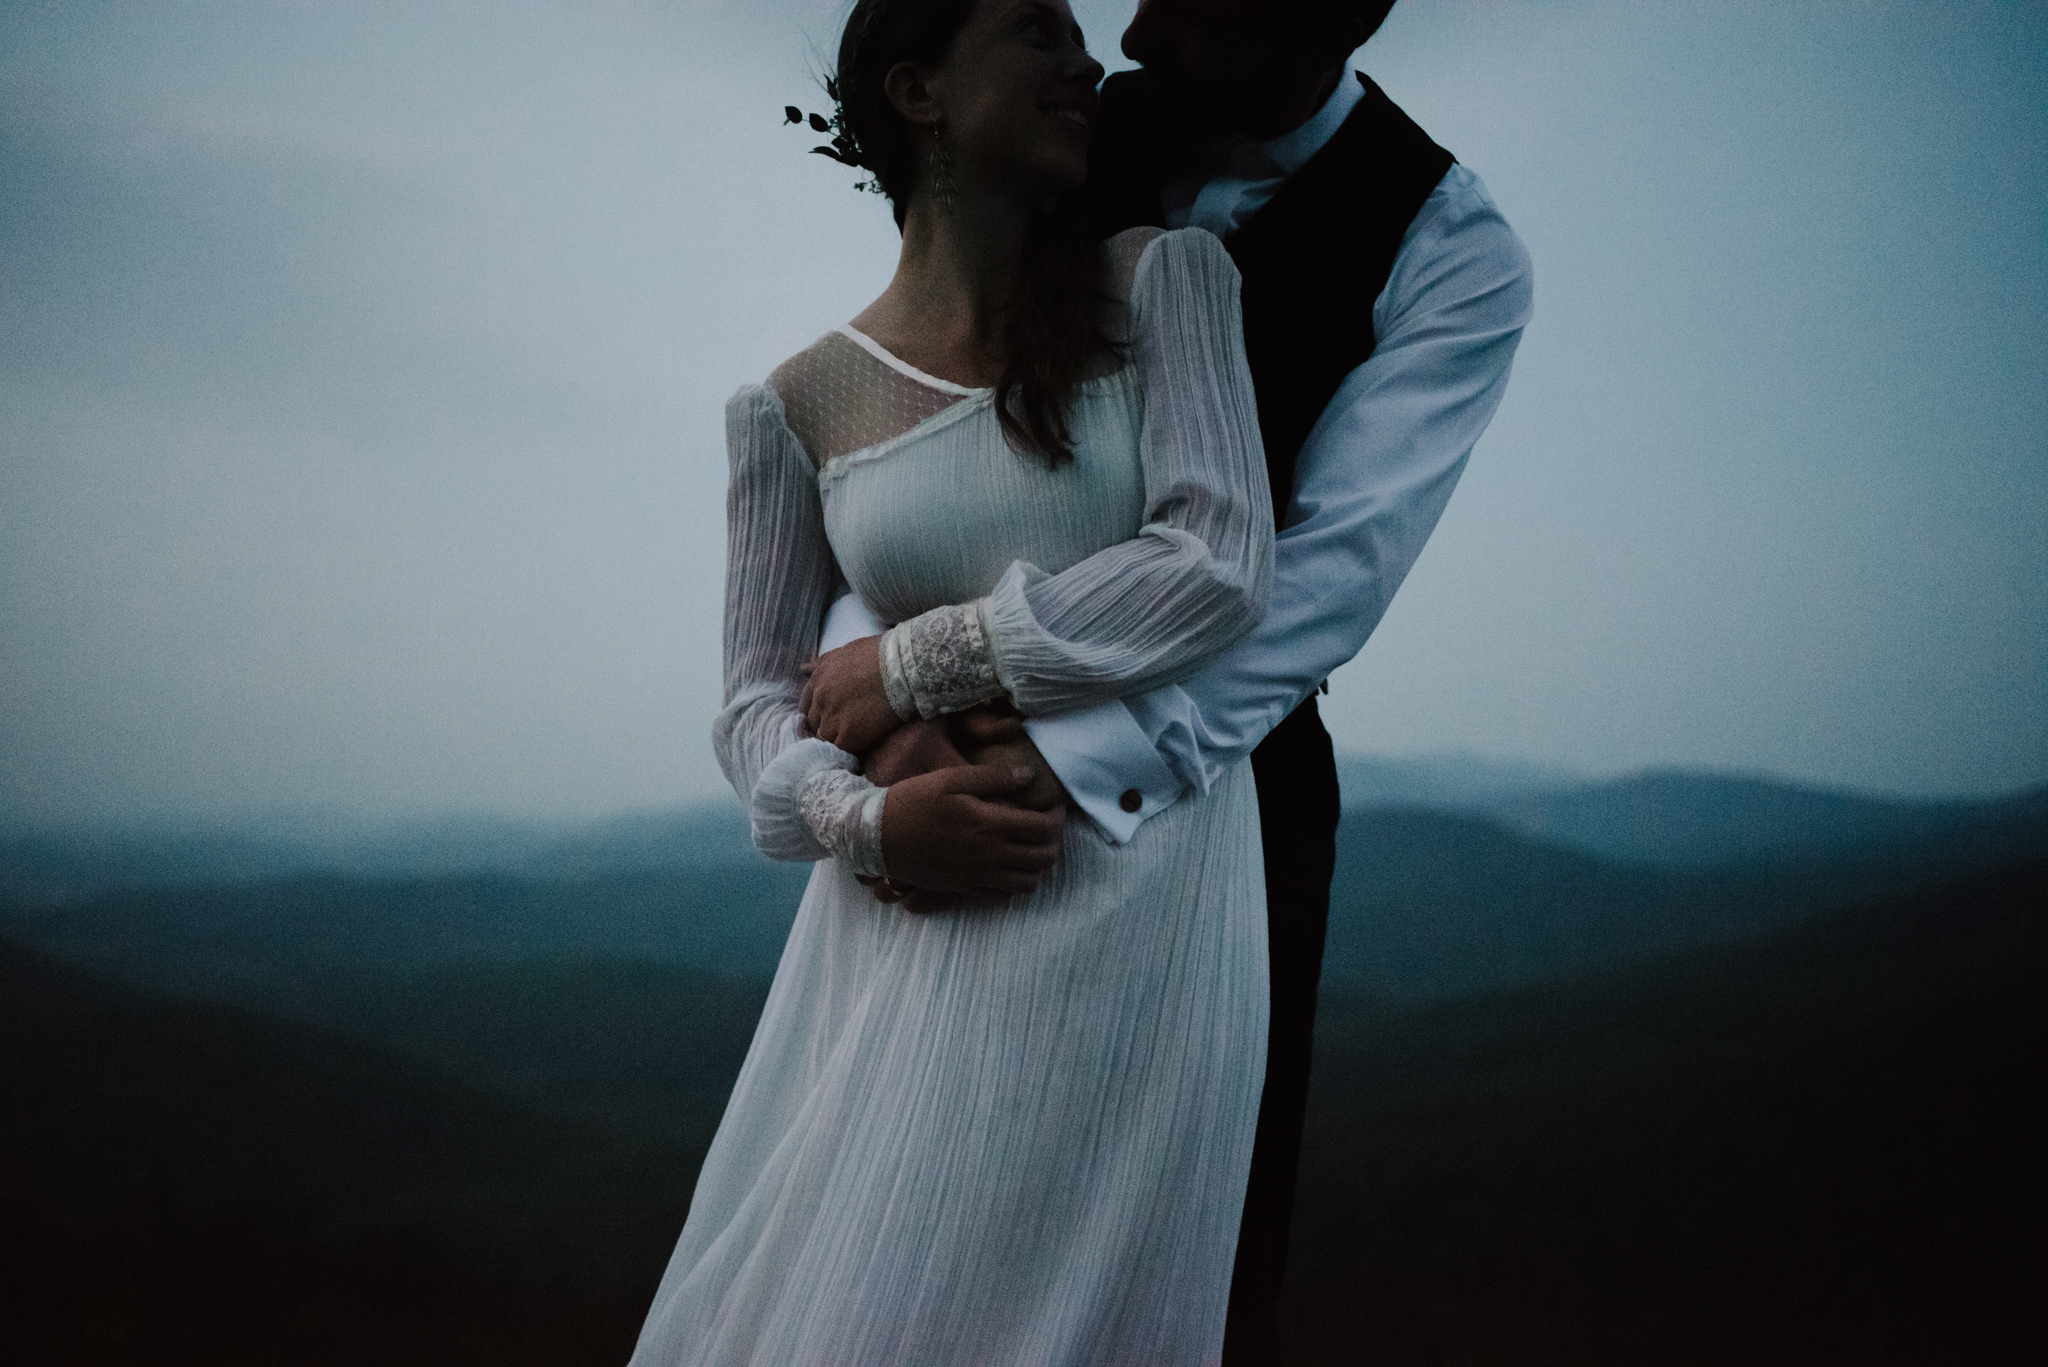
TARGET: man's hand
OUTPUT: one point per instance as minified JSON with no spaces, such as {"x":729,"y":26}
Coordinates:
{"x":844,"y":701}
{"x":994,"y":734}
{"x":915,"y":747}
{"x":958,"y":830}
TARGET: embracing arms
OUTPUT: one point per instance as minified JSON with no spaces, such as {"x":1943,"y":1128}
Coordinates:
{"x":1135,"y":614}
{"x":1370,"y":484}
{"x":803,"y":797}
{"x":1138,"y":613}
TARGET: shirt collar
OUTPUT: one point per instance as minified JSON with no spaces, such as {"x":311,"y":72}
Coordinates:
{"x":1291,"y":151}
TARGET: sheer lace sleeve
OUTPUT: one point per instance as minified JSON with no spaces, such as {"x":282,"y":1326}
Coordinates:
{"x":800,"y":793}
{"x":1154,"y":609}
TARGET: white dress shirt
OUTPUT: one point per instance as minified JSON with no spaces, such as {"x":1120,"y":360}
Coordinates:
{"x":1239,"y":176}
{"x":1370,"y":483}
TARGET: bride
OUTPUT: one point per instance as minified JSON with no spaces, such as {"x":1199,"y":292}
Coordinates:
{"x":1012,"y":1126}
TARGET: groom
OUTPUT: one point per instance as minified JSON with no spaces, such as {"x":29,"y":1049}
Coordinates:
{"x":1383,"y":298}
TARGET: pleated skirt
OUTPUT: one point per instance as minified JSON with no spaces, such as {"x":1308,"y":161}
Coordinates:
{"x":1016,"y":1135}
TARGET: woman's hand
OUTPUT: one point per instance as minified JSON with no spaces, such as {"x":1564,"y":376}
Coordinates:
{"x":941,"y":832}
{"x":844,"y":701}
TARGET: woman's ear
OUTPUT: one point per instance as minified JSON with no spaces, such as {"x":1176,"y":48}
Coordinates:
{"x":907,"y":90}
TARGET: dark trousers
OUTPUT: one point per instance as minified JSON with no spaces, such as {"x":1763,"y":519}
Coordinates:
{"x":1297,"y":780}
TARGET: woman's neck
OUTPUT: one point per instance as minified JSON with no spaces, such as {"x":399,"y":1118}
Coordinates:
{"x":954,"y":278}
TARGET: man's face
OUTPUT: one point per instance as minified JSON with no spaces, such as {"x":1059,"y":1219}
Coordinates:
{"x":1211,"y":58}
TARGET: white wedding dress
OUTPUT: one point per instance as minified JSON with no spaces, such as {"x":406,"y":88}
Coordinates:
{"x":993,"y":1136}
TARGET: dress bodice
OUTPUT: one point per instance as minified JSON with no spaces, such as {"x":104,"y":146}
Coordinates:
{"x":1055,"y":587}
{"x":937,"y":514}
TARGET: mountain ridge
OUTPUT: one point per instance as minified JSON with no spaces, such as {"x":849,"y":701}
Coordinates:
{"x":1668,"y":817}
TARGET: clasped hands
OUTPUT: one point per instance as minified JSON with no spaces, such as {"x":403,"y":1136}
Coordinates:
{"x":973,"y":807}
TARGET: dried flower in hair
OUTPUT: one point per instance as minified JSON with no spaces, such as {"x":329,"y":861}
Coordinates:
{"x":842,"y":149}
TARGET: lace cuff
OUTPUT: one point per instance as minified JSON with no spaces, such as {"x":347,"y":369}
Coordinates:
{"x":844,"y":814}
{"x":940,"y":661}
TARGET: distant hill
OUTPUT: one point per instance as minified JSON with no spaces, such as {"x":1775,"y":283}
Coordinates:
{"x":186,"y":1182}
{"x":47,"y":867}
{"x":1426,"y":904}
{"x":1682,"y":819}
{"x":315,"y":945}
{"x":1816,"y":1148}
{"x":1431,"y":904}
{"x":1453,"y":782}
{"x":1672,"y":818}
{"x":1667,"y":818}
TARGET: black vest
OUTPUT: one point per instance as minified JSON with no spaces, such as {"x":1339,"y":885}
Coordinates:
{"x":1313,"y":259}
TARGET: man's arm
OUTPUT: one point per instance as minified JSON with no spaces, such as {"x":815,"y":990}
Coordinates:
{"x":1370,"y":483}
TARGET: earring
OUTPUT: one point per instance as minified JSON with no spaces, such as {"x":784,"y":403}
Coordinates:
{"x":945,"y":185}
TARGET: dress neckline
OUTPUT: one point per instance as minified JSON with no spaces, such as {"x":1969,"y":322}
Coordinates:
{"x":894,"y":362}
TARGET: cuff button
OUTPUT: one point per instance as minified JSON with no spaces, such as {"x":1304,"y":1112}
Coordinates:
{"x":1131,"y":800}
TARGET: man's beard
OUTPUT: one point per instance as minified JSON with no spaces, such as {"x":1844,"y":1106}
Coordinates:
{"x":1201,"y":115}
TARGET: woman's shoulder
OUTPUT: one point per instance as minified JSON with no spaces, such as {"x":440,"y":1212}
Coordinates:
{"x":791,"y":394}
{"x":840,"y":394}
{"x":806,"y":372}
{"x":1120,"y":257}
{"x":799,"y":389}
{"x":1125,"y":256}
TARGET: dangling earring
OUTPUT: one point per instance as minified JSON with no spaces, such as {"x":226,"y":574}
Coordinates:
{"x":945,"y":185}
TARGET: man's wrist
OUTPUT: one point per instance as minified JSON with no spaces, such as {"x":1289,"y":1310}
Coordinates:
{"x":1108,"y":764}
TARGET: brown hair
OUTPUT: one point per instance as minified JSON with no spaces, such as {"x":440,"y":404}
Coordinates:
{"x":1050,"y":331}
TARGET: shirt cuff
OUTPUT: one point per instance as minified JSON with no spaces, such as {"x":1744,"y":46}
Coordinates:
{"x":938,"y":662}
{"x":1109,"y":765}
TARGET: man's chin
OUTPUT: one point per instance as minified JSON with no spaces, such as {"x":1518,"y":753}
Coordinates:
{"x":1195,"y":110}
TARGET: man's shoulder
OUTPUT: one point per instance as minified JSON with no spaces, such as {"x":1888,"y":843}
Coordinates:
{"x":1460,"y":253}
{"x":1460,"y":217}
{"x":1354,"y":196}
{"x":1378,"y":152}
{"x":1461,"y":196}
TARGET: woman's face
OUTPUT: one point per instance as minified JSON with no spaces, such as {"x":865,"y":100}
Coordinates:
{"x":1016,"y":93}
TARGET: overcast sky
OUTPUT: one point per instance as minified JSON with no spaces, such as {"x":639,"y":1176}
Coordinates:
{"x":361,"y":370}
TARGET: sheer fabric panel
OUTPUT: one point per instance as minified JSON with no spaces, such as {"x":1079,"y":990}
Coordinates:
{"x":839,"y":399}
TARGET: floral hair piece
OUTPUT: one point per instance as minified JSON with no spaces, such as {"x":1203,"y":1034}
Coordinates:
{"x":842,"y":148}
